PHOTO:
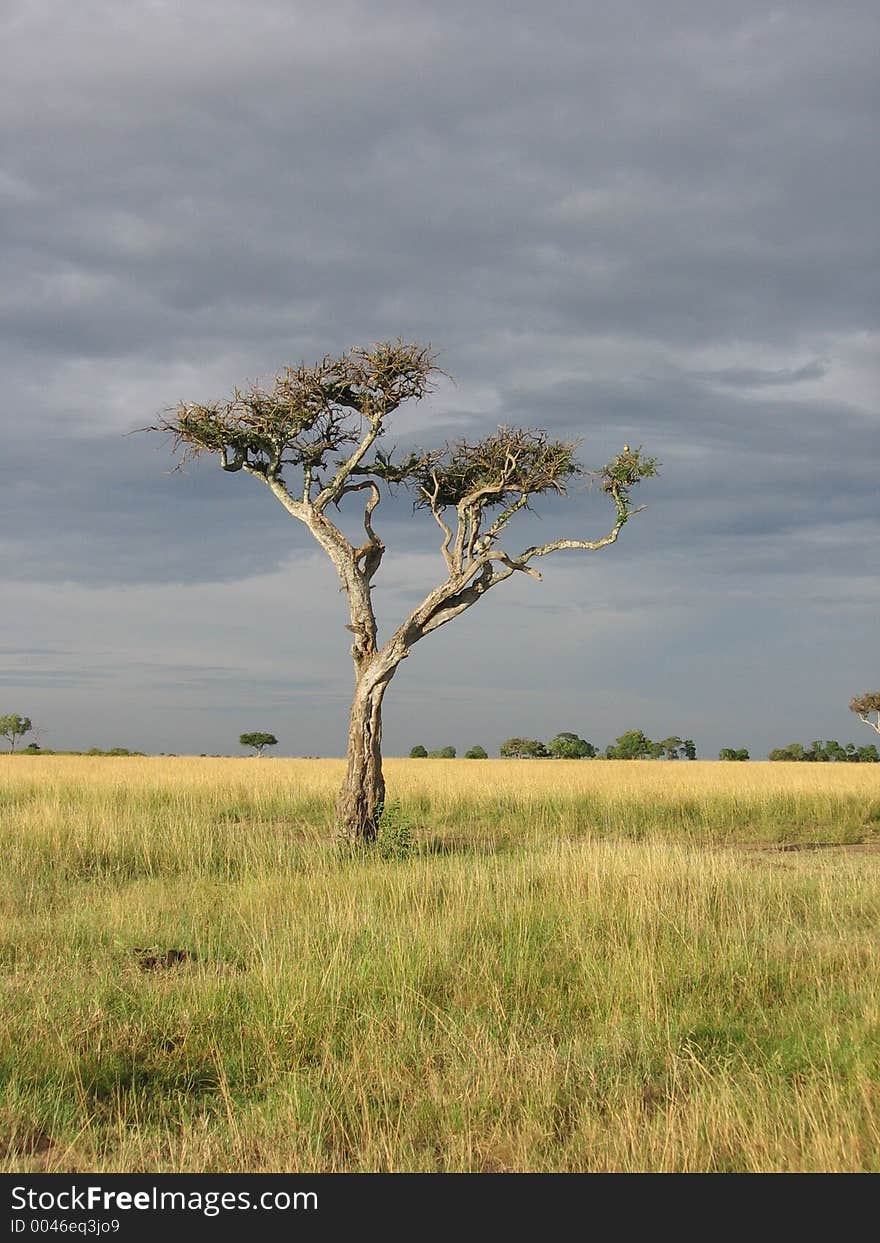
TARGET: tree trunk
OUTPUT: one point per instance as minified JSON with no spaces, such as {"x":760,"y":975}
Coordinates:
{"x":363,"y":792}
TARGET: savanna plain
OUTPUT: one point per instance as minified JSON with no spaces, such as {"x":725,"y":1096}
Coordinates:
{"x":571,"y":966}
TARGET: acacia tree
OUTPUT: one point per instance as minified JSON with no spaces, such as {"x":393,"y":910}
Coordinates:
{"x":311,"y":438}
{"x":864,"y":705}
{"x":258,"y":739}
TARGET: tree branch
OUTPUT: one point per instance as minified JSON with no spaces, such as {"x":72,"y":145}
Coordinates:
{"x":441,"y":522}
{"x":372,"y":551}
{"x":334,"y":489}
{"x":624,"y":512}
{"x":465,"y":597}
{"x":278,"y":488}
{"x":503,"y":518}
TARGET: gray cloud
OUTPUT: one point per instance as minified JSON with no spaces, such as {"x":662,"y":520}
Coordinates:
{"x":644,"y":223}
{"x":755,"y":377}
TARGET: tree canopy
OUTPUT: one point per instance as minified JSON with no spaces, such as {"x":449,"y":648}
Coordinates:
{"x":866,"y":707}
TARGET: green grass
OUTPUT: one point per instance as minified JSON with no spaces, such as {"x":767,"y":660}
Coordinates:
{"x":541,"y":994}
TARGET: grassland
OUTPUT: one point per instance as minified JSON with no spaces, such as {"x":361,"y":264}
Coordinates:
{"x":584,"y":966}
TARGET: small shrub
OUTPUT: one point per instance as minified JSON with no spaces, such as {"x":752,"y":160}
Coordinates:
{"x":395,"y":839}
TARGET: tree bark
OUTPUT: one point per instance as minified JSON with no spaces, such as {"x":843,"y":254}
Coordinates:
{"x":360,"y":800}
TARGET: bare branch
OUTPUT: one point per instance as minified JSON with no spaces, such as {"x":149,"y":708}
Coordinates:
{"x":617,"y":479}
{"x":542,"y":550}
{"x":372,"y":551}
{"x":441,"y":523}
{"x":473,"y":532}
{"x":503,"y":518}
{"x":458,"y":601}
{"x":513,"y":564}
{"x":278,"y":489}
{"x":334,"y":489}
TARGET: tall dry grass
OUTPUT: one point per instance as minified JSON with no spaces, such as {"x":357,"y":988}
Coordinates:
{"x":588,"y":975}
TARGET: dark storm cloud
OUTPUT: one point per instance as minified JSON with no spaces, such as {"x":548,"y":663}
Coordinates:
{"x":687,"y":181}
{"x":653,"y":223}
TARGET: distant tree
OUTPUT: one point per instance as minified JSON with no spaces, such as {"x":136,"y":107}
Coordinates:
{"x":835,"y":752}
{"x":731,"y":753}
{"x":13,"y":727}
{"x":476,"y":753}
{"x":866,"y":705}
{"x":445,"y":753}
{"x":523,"y":749}
{"x":33,"y":748}
{"x":671,"y":747}
{"x":418,"y":753}
{"x":860,"y":755}
{"x":568,"y":746}
{"x":676,"y":748}
{"x":258,"y":740}
{"x":631,"y":745}
{"x":314,"y":438}
{"x":793,"y":752}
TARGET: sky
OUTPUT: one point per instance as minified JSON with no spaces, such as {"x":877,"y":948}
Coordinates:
{"x":642,"y":223}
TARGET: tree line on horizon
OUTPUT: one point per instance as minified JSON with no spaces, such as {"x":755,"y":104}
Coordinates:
{"x":827,"y":752}
{"x":633,"y":744}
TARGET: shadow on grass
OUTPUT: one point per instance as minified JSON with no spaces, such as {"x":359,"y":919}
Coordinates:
{"x":437,"y":845}
{"x":146,"y":1085}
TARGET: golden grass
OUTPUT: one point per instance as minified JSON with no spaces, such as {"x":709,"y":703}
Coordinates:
{"x":575,"y":972}
{"x":469,"y":800}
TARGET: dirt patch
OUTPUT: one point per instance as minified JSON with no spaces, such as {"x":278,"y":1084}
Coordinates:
{"x":151,"y":959}
{"x":27,"y":1144}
